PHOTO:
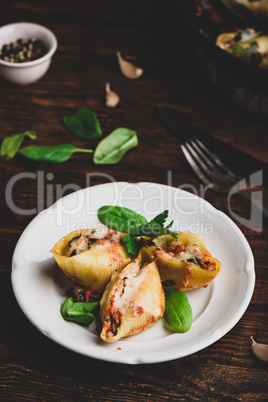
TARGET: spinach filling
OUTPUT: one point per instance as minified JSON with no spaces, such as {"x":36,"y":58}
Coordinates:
{"x":76,"y":251}
{"x":194,"y":261}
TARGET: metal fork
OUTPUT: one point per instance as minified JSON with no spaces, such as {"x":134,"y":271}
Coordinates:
{"x":214,"y":173}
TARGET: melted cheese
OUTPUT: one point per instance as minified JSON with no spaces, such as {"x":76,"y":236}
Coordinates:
{"x":187,"y":253}
{"x":93,"y":238}
{"x":124,"y":291}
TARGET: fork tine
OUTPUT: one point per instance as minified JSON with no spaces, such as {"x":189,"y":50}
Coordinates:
{"x":214,"y":157}
{"x":194,"y":166}
{"x":200,"y":161}
{"x":203,"y":156}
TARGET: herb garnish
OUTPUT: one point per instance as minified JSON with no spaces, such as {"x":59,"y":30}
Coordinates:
{"x":178,"y":312}
{"x":120,"y":218}
{"x":79,"y":312}
{"x":155,"y":227}
{"x":152,"y":229}
{"x":133,"y":245}
{"x":126,"y":220}
{"x":249,"y":54}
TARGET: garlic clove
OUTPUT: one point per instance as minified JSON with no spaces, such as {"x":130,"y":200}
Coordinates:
{"x":260,"y":350}
{"x":112,"y":99}
{"x":128,"y":69}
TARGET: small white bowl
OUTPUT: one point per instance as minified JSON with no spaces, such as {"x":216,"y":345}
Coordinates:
{"x":30,"y":71}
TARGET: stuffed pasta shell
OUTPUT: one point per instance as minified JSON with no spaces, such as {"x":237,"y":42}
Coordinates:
{"x":89,"y":256}
{"x":134,"y":299}
{"x":184,"y":262}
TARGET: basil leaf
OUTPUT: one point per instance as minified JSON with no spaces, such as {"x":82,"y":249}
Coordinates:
{"x":120,"y":218}
{"x":53,"y":154}
{"x":83,"y":123}
{"x":178,"y":312}
{"x":112,"y":148}
{"x":10,"y":145}
{"x":79,"y":312}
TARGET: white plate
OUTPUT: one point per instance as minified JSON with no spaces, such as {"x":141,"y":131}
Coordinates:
{"x":39,"y":285}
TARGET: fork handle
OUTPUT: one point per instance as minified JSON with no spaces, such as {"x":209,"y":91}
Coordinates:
{"x":260,"y":207}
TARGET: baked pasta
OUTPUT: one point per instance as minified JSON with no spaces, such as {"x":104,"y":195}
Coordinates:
{"x":89,"y":256}
{"x":134,"y":299}
{"x":185,"y":263}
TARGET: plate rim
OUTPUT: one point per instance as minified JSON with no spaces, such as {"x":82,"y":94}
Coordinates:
{"x":216,"y":334}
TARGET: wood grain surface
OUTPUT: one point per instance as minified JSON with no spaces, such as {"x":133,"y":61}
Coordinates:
{"x":89,"y":33}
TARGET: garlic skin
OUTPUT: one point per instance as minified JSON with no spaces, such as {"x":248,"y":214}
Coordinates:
{"x":112,"y":99}
{"x":128,"y":69}
{"x":260,"y":350}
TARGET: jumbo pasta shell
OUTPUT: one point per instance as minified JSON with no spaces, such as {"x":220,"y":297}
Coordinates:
{"x":92,"y":268}
{"x":185,"y":263}
{"x":133,"y":301}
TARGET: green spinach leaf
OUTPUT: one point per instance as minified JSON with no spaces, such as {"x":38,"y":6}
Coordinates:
{"x":53,"y":154}
{"x":79,"y":312}
{"x":10,"y":145}
{"x":65,"y":306}
{"x":178,"y":312}
{"x":249,"y":54}
{"x":84,"y":123}
{"x":112,"y":148}
{"x":126,"y":220}
{"x":120,"y":218}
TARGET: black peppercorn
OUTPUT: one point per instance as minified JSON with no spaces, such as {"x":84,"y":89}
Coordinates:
{"x":21,"y":51}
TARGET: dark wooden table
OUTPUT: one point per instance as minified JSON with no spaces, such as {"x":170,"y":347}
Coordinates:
{"x":89,"y":33}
